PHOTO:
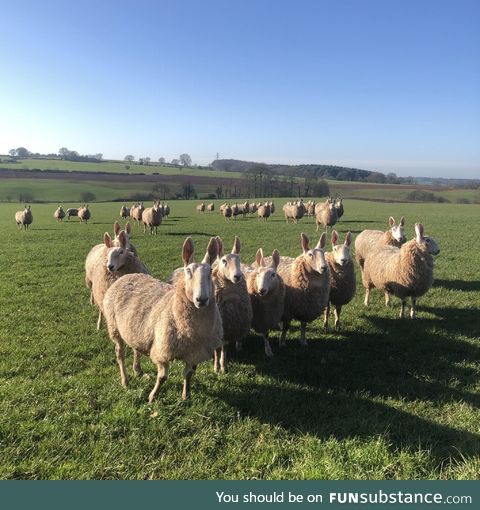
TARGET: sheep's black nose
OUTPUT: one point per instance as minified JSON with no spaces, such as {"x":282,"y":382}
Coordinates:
{"x":237,"y":277}
{"x":202,"y":301}
{"x":262,"y":292}
{"x":343,"y":261}
{"x":111,"y":267}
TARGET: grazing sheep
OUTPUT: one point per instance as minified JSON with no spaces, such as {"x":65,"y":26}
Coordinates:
{"x":404,"y":272}
{"x":84,"y":213}
{"x":267,"y":296}
{"x":227,"y":212}
{"x":263,"y":211}
{"x":59,"y":213}
{"x":342,"y":277}
{"x":119,"y":261}
{"x":152,"y":217}
{"x":124,"y":212}
{"x":201,"y":207}
{"x":24,"y":218}
{"x":211,"y":207}
{"x":339,"y":207}
{"x":72,"y":211}
{"x":166,"y":322}
{"x":136,"y":212}
{"x":325,"y":214}
{"x":293,"y":211}
{"x":232,"y":299}
{"x":307,"y":283}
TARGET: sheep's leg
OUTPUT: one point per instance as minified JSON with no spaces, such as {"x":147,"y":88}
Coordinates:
{"x":99,"y":320}
{"x":303,"y":330}
{"x":325,"y":317}
{"x":187,"y":379}
{"x":387,"y":298}
{"x":337,"y":311}
{"x":268,"y":347}
{"x":216,"y":360}
{"x":402,"y":308}
{"x":413,"y":311}
{"x":120,"y":354}
{"x":316,"y":229}
{"x":367,"y":296}
{"x":223,"y":360}
{"x":91,"y":297}
{"x":162,"y":374}
{"x":137,"y":369}
{"x":283,"y":336}
{"x":144,"y":228}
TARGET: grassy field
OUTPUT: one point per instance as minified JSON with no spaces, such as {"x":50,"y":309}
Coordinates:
{"x":384,"y":398}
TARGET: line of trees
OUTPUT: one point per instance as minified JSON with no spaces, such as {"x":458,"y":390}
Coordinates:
{"x":183,"y":160}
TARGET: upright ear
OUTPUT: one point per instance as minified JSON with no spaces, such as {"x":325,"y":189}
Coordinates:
{"x":107,"y":241}
{"x":236,"y":245}
{"x":122,"y":238}
{"x":128,"y":228}
{"x":322,"y":241}
{"x":391,"y":221}
{"x":187,"y":251}
{"x":305,"y":242}
{"x":334,"y":238}
{"x":275,"y":259}
{"x":259,"y":258}
{"x":220,"y":246}
{"x":419,"y":231}
{"x":348,"y":239}
{"x":116,"y":228}
{"x":402,"y":221}
{"x":212,"y":252}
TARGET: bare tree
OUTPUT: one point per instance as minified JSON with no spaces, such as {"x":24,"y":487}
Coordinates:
{"x":185,"y":160}
{"x":161,"y":160}
{"x":175,"y":162}
{"x":129,"y":158}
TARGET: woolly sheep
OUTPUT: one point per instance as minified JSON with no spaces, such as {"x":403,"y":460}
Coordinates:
{"x":84,"y":213}
{"x":166,"y":210}
{"x":272,"y":207}
{"x":136,"y":212}
{"x":404,"y":272}
{"x":124,"y":212}
{"x":72,"y":211}
{"x":325,"y":214}
{"x":267,"y":296}
{"x":293,"y":211}
{"x":263,"y":211}
{"x":307,"y":283}
{"x":211,"y":207}
{"x":342,"y":277}
{"x":59,"y":213}
{"x":166,"y":322}
{"x":24,"y":218}
{"x":339,"y":207}
{"x":152,"y":217}
{"x":201,"y":207}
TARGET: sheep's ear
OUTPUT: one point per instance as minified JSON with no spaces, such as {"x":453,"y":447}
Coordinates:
{"x":402,"y":221}
{"x":128,"y":228}
{"x":116,"y":228}
{"x":187,"y":251}
{"x":275,"y":259}
{"x":236,"y":245}
{"x":259,"y":258}
{"x":391,"y":221}
{"x":212,"y":252}
{"x":107,"y":240}
{"x":322,"y":241}
{"x":220,"y":246}
{"x":305,"y":242}
{"x":348,"y":239}
{"x":419,"y":231}
{"x":334,"y":238}
{"x":122,"y":238}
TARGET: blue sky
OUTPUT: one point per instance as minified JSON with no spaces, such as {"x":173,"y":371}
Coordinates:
{"x":381,"y":85}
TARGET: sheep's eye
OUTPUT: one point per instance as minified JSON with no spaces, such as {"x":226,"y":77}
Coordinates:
{"x":224,"y":262}
{"x":273,"y":275}
{"x":310,"y":255}
{"x":189,"y":272}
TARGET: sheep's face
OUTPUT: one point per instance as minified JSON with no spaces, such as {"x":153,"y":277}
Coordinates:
{"x":314,"y":258}
{"x":198,"y":283}
{"x":432,"y":245}
{"x":341,"y":252}
{"x":338,"y":203}
{"x":229,"y":267}
{"x":116,"y":258}
{"x":398,"y":231}
{"x":266,"y":277}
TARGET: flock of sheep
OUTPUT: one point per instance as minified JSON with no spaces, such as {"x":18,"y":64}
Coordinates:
{"x":205,"y":306}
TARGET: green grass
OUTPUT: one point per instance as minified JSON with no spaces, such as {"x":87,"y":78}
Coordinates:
{"x":384,"y":398}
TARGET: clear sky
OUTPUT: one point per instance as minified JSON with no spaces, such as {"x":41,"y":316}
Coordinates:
{"x":382,"y":85}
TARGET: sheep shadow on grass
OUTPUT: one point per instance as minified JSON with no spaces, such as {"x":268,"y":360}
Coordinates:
{"x":465,"y":285}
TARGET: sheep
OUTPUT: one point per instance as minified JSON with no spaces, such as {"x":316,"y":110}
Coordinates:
{"x":325,"y":214}
{"x":339,"y":207}
{"x":342,"y":277}
{"x":114,"y":262}
{"x":152,"y":217}
{"x":72,"y":211}
{"x":253,"y":208}
{"x":227,"y":212}
{"x":124,"y":212}
{"x":235,"y":211}
{"x":232,"y":299}
{"x":246,"y":208}
{"x":211,"y":207}
{"x":310,"y":208}
{"x":24,"y":218}
{"x":166,"y":210}
{"x":403,"y":272}
{"x":267,"y":296}
{"x":293,"y":211}
{"x":84,"y":214}
{"x":166,"y":322}
{"x":263,"y":211}
{"x":136,"y":212}
{"x":201,"y":207}
{"x":272,"y":207}
{"x":59,"y":213}
{"x":307,"y":283}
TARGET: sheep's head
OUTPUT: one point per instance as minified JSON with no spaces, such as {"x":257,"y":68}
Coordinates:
{"x":338,"y":202}
{"x":428,"y":242}
{"x":117,"y":255}
{"x":266,"y":277}
{"x":314,"y":259}
{"x":398,"y":231}
{"x":198,"y":277}
{"x":229,"y":264}
{"x":341,"y":252}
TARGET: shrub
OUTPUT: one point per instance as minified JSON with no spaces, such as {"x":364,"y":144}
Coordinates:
{"x":87,"y":196}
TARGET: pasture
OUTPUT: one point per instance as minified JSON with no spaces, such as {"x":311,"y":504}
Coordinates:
{"x":383,"y":398}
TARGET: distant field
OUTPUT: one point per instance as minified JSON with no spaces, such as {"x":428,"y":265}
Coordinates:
{"x":383,"y":399}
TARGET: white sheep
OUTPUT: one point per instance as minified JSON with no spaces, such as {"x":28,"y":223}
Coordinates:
{"x":59,"y":213}
{"x":24,"y":218}
{"x":152,"y":217}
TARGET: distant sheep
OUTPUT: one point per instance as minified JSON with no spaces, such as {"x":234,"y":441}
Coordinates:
{"x":211,"y":207}
{"x":339,"y":207}
{"x":136,"y":212}
{"x":201,"y":207}
{"x":24,"y":218}
{"x":84,"y":214}
{"x":227,"y":212}
{"x":152,"y":218}
{"x":294,"y":211}
{"x":263,"y":211}
{"x":59,"y":213}
{"x":325,"y":214}
{"x":72,"y":211}
{"x":124,"y":212}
